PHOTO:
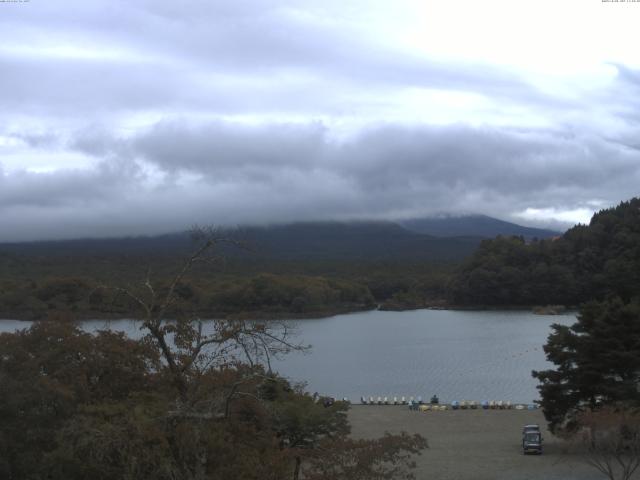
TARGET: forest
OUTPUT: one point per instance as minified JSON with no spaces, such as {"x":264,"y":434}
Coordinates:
{"x":34,"y":284}
{"x":588,"y":262}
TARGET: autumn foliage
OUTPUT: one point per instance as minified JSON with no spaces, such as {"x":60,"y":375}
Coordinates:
{"x":191,"y":400}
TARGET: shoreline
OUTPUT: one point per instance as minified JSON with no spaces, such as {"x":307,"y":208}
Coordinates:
{"x":288,"y":315}
{"x":250,"y":315}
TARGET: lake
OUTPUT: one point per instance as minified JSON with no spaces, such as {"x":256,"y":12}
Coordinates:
{"x":458,"y":355}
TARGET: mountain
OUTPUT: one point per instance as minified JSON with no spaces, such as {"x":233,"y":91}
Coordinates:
{"x":473,"y":225}
{"x":297,"y":241}
{"x":356,"y":240}
{"x":425,"y":239}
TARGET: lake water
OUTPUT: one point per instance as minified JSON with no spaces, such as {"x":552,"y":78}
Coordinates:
{"x":458,"y":355}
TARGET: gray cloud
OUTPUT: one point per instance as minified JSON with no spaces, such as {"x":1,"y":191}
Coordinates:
{"x":506,"y":161}
{"x":218,"y":147}
{"x":144,"y":92}
{"x":231,"y":174}
{"x":74,"y":189}
{"x":222,"y":58}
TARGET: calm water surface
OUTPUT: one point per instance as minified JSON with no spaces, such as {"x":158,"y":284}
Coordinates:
{"x":455,"y":354}
{"x":458,"y":355}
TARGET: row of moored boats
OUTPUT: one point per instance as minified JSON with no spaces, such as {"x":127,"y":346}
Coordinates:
{"x":434,"y":404}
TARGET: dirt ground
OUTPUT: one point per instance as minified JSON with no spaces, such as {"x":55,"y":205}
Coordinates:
{"x":474,"y":444}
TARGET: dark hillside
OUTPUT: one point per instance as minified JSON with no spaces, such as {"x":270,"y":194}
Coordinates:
{"x":356,"y":241}
{"x":588,"y":262}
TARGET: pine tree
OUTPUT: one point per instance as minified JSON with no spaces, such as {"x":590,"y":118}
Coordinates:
{"x":597,"y":362}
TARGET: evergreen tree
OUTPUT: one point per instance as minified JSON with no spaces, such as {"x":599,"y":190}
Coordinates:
{"x":597,"y":362}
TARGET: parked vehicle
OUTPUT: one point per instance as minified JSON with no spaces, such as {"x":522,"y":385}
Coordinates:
{"x":531,"y":439}
{"x":530,"y":428}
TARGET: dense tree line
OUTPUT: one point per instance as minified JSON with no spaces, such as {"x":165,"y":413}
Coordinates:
{"x":35,"y":287}
{"x":588,"y":262}
{"x":264,"y":295}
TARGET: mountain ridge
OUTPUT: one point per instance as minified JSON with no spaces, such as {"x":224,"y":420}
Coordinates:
{"x":358,"y":239}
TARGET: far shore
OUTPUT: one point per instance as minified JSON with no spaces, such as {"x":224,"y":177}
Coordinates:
{"x":250,"y":315}
{"x":289,"y":315}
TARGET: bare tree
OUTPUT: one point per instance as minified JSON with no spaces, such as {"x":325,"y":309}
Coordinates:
{"x":190,"y":346}
{"x":192,"y":350}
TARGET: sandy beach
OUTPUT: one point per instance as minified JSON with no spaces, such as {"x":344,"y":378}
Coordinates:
{"x":474,"y":444}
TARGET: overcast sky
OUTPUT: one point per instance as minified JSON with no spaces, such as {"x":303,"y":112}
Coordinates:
{"x":149,"y":116}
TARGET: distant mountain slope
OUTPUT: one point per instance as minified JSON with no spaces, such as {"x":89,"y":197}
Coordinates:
{"x":297,"y":241}
{"x":356,"y":240}
{"x":473,"y":225}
